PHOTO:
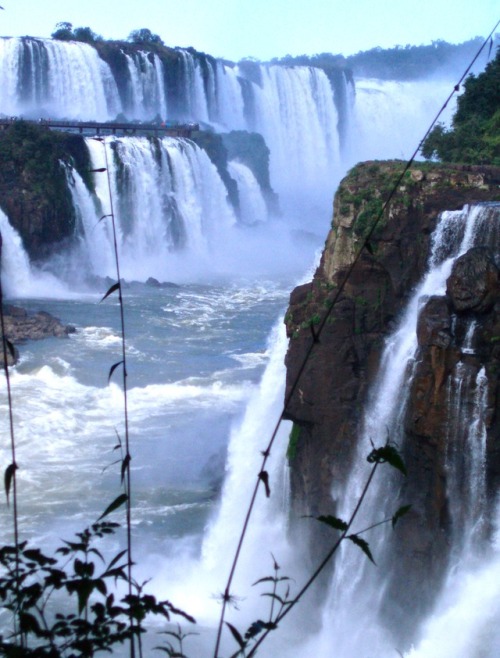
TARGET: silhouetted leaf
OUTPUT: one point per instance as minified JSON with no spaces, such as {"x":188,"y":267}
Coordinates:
{"x":97,"y":552}
{"x":11,"y":348}
{"x":236,"y":634}
{"x":114,"y":288}
{"x":113,"y":368}
{"x":9,"y":474}
{"x":399,"y":513}
{"x":116,"y":558}
{"x":122,"y":498}
{"x":267,"y":579}
{"x":125,"y":465}
{"x":178,"y":611}
{"x":259,"y":626}
{"x":333,"y":522}
{"x":363,"y":546}
{"x":117,"y":461}
{"x":388,"y":454}
{"x":35,"y":555}
{"x":100,"y":170}
{"x":264,"y":477}
{"x":29,"y":623}
{"x":255,"y":628}
{"x":83,"y":589}
{"x":271,"y":595}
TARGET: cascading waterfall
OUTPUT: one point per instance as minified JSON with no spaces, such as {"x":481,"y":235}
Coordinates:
{"x":174,"y":223}
{"x":230,"y":105}
{"x":201,"y":578}
{"x":295,"y":111}
{"x":377,"y":116}
{"x":19,"y":279}
{"x":465,"y":622}
{"x":195,"y":100}
{"x":294,"y":108}
{"x":252,"y":204}
{"x":356,"y":591}
{"x":48,"y":78}
{"x":467,"y":456}
{"x":16,"y":270}
{"x":147,"y":87}
{"x":168,"y":197}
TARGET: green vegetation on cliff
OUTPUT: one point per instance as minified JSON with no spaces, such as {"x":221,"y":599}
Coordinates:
{"x":34,"y":191}
{"x":66,"y":32}
{"x":475,"y":134}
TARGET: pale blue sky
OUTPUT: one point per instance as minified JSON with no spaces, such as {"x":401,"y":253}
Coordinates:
{"x":262,"y":28}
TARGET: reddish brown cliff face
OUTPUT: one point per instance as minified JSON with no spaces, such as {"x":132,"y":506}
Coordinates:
{"x":329,"y":398}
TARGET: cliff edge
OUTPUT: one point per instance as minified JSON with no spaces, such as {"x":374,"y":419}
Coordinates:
{"x":327,"y":403}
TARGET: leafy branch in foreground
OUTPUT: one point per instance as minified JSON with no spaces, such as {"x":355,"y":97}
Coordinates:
{"x":126,"y":457}
{"x":259,"y":630}
{"x":10,"y":477}
{"x":80,"y":582}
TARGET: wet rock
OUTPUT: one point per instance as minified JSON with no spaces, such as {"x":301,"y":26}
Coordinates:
{"x":21,"y":326}
{"x":327,"y":403}
{"x":434,"y":323}
{"x":154,"y":283}
{"x":474,"y":281}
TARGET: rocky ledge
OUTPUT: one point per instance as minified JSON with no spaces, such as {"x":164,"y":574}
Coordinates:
{"x":21,"y":326}
{"x":327,"y":403}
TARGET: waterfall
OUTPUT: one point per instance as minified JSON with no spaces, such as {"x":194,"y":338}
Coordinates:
{"x":49,"y":78}
{"x":314,"y":130}
{"x":296,"y":114}
{"x":392,"y":112}
{"x":147,"y":87}
{"x":252,"y":204}
{"x":19,"y":279}
{"x":174,"y":223}
{"x":195,"y":583}
{"x":465,"y":624}
{"x":356,"y":591}
{"x":230,"y":105}
{"x":170,"y":207}
{"x":195,"y":106}
{"x":16,"y":271}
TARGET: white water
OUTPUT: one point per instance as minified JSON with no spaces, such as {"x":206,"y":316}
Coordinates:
{"x":252,"y":204}
{"x":147,"y":87}
{"x":466,"y":621}
{"x":295,"y":111}
{"x":296,"y":115}
{"x":19,"y":279}
{"x":67,"y":80}
{"x":394,"y":112}
{"x":356,"y":593}
{"x":195,"y":583}
{"x":170,"y":208}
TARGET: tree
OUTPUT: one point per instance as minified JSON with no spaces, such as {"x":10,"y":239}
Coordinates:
{"x":475,"y":134}
{"x":145,"y":36}
{"x":85,"y":34}
{"x":63,"y":31}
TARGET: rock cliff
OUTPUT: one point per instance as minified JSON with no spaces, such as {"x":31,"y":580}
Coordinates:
{"x":327,"y":403}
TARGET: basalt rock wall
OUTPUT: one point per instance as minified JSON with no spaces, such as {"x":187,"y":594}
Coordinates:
{"x":327,"y":402}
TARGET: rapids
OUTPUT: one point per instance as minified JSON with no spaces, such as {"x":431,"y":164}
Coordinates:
{"x":206,"y":350}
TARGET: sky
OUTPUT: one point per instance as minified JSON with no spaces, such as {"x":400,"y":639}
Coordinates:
{"x":263,"y":29}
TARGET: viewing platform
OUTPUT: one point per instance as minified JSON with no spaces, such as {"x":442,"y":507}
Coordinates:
{"x":165,"y":128}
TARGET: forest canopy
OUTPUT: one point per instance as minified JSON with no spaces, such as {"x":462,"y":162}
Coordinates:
{"x":474,"y":137}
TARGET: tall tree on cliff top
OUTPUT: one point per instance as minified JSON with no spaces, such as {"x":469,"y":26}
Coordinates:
{"x":475,"y":134}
